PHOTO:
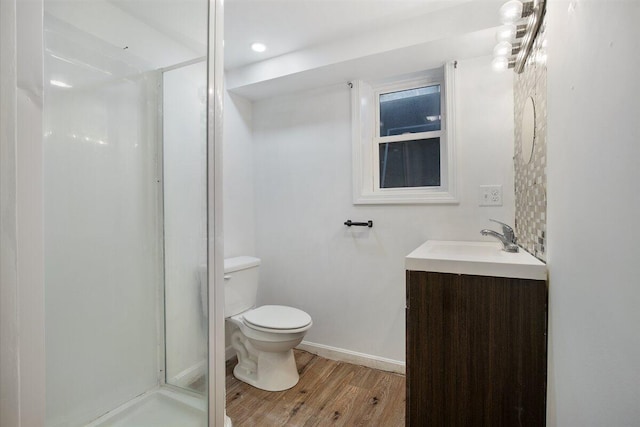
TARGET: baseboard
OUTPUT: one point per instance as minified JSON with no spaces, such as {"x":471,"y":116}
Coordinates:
{"x":354,"y":357}
{"x":189,"y":375}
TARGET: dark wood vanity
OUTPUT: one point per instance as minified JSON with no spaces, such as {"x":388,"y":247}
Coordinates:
{"x":476,"y":350}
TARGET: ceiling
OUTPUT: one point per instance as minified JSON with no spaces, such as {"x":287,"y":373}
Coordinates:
{"x":286,"y":26}
{"x":316,"y":43}
{"x":309,"y":42}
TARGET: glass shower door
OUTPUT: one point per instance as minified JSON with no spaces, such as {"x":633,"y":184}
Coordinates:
{"x":185,"y":225}
{"x":105,"y":216}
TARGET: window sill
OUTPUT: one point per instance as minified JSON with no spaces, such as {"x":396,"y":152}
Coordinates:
{"x":406,"y":198}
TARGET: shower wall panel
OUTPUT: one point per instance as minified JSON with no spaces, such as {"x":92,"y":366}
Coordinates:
{"x":102,"y":239}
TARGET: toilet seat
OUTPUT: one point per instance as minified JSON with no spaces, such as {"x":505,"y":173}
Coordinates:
{"x":277,"y":319}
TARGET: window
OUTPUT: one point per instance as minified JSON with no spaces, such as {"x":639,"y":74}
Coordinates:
{"x":403,"y":139}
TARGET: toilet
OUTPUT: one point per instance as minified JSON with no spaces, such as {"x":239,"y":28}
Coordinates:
{"x":265,"y":336}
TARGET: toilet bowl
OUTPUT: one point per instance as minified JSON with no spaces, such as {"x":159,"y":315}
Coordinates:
{"x":265,"y":351}
{"x":264,"y":337}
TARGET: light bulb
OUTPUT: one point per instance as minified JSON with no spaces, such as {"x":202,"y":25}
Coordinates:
{"x":503,"y":49}
{"x":506,"y":33}
{"x":500,"y":63}
{"x":511,"y":12}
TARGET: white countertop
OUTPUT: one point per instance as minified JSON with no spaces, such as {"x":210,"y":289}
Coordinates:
{"x":475,"y":258}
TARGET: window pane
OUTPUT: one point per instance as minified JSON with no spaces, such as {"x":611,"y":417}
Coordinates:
{"x":413,"y":163}
{"x":410,"y":111}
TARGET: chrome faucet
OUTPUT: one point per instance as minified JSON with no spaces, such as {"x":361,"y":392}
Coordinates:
{"x":508,"y":238}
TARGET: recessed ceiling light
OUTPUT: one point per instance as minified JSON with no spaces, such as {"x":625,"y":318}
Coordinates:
{"x":258,"y":47}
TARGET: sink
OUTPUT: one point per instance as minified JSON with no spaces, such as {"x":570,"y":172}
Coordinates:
{"x":475,"y":258}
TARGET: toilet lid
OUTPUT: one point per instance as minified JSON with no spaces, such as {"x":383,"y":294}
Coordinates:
{"x":277,"y":317}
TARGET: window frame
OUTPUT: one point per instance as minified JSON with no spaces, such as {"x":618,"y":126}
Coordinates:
{"x":366,"y":140}
{"x":379,"y":139}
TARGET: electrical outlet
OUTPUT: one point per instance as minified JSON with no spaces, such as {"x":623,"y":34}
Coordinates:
{"x":491,"y":195}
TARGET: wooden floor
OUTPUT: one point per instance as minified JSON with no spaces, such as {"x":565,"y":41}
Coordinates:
{"x":329,"y":393}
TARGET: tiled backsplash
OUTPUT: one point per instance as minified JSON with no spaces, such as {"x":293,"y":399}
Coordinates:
{"x":531,"y":178}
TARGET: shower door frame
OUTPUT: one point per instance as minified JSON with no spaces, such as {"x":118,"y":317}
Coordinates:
{"x":215,"y":250}
{"x":22,"y":324}
{"x":162,"y":303}
{"x":216,"y":392}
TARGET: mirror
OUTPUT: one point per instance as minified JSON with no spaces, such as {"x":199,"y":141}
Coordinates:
{"x":528,"y":129}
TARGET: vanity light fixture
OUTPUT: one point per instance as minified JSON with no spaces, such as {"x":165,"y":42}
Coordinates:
{"x":500,"y":63}
{"x":522,"y":22}
{"x":502,"y":49}
{"x":258,"y":47}
{"x":510,"y":32}
{"x":512,"y":11}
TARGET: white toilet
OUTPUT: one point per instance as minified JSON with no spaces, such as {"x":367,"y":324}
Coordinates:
{"x":266,"y":336}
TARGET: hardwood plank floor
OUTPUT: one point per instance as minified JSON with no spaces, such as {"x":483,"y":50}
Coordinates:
{"x":329,"y":393}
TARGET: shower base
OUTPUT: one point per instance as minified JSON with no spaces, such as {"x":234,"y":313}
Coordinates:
{"x":161,"y":407}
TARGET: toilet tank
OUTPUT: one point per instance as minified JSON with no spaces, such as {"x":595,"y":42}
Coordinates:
{"x":240,"y":284}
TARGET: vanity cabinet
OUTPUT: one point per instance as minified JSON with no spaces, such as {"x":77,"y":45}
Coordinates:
{"x":476,"y":350}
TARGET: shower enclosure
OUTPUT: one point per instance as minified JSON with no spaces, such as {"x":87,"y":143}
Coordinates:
{"x":129,"y":214}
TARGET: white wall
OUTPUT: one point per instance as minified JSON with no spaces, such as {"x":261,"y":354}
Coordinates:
{"x":239,"y":207}
{"x":185,"y":220}
{"x":593,"y":213}
{"x":352,"y":281}
{"x":238,"y":175}
{"x":101,"y":231}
